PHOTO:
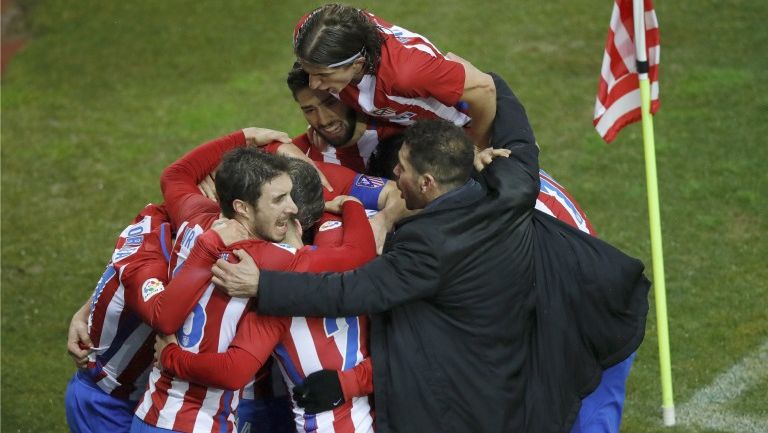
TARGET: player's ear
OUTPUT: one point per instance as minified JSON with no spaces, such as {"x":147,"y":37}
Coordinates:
{"x":240,"y":207}
{"x":427,"y":182}
{"x":359,"y":64}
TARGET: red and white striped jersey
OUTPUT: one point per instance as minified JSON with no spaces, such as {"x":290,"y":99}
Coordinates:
{"x":356,"y":156}
{"x":179,"y":405}
{"x":314,"y":344}
{"x":555,"y":200}
{"x":123,"y":344}
{"x":414,"y":81}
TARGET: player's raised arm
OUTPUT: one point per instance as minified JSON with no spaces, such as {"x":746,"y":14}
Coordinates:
{"x":480,"y":94}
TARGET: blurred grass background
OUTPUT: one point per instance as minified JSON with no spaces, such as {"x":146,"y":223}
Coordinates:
{"x":105,"y":94}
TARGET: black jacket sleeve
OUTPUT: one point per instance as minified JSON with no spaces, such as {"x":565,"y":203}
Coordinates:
{"x":517,"y":179}
{"x":409,"y":271}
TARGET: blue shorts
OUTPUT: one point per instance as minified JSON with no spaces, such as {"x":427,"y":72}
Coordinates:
{"x":601,"y":411}
{"x":91,"y":410}
{"x":266,"y":415}
{"x":139,"y":426}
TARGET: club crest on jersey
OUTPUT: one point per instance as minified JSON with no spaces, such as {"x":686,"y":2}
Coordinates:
{"x":369,"y":181}
{"x":150,"y":288}
{"x":329,"y":225}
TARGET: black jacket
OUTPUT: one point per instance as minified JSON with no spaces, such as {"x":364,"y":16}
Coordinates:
{"x":453,"y":303}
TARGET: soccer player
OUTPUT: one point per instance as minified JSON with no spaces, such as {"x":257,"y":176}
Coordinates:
{"x":114,"y":349}
{"x":180,"y":405}
{"x":386,"y":71}
{"x":337,"y":133}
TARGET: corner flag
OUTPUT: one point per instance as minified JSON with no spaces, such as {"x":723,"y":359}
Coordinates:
{"x":618,"y":95}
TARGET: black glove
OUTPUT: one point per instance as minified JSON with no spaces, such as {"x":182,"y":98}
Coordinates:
{"x":321,"y":391}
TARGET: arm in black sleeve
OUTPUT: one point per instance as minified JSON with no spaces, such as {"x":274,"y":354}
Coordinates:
{"x":409,"y":271}
{"x":515,"y":178}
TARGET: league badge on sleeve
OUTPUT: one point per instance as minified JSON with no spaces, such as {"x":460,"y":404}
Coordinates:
{"x":151,"y":287}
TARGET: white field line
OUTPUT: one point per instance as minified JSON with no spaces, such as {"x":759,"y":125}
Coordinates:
{"x":707,"y":408}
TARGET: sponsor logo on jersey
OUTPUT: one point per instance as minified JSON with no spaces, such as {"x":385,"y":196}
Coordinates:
{"x":369,"y":181}
{"x":329,"y":225}
{"x":150,"y":288}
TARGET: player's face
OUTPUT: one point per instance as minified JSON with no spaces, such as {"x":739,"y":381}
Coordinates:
{"x":333,"y":79}
{"x":274,"y":210}
{"x":409,"y":180}
{"x":331,"y":118}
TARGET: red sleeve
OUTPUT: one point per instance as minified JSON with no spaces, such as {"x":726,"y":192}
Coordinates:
{"x":167,"y":308}
{"x":419,"y":74}
{"x":272,"y":147}
{"x":255,"y":340}
{"x":358,"y":381}
{"x":358,"y":246}
{"x":179,"y":180}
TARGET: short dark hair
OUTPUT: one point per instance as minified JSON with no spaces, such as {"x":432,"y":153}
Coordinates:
{"x":442,"y":149}
{"x":298,"y":79}
{"x":384,"y":159}
{"x":334,"y":33}
{"x":242,"y":173}
{"x":307,"y":192}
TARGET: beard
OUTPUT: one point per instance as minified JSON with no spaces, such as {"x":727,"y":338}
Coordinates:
{"x":351,"y":121}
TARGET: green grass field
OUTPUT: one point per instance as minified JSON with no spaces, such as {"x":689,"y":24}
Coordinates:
{"x":106,"y":94}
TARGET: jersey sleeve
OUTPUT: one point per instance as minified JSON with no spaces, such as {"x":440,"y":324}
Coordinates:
{"x":357,"y":381}
{"x":145,"y":273}
{"x":168,"y":306}
{"x":421,"y":75}
{"x":357,"y":248}
{"x":254,"y":341}
{"x":179,"y":180}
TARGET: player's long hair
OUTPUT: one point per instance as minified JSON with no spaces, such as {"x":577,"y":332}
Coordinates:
{"x":334,"y":33}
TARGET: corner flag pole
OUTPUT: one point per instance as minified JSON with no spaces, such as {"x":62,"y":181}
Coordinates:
{"x":660,"y":293}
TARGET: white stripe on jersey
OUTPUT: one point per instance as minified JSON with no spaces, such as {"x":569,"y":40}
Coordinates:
{"x":329,"y":155}
{"x":232,"y":313}
{"x":367,"y":144}
{"x":361,"y":415}
{"x":367,"y":87}
{"x":431,"y":104}
{"x":302,"y":338}
{"x":167,"y":415}
{"x":120,"y":360}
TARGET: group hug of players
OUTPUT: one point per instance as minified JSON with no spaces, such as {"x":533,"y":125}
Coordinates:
{"x":160,"y":348}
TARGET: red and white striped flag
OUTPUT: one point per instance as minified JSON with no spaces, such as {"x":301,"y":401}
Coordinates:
{"x":618,"y":96}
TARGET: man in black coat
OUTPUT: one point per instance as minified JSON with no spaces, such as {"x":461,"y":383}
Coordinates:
{"x":456,"y":331}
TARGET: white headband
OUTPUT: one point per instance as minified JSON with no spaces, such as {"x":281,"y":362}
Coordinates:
{"x":349,"y":60}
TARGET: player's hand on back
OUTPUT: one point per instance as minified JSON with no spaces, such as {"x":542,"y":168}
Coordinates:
{"x":239,"y":280}
{"x":208,"y":187}
{"x":335,"y":205}
{"x":161,"y":342}
{"x":78,"y":341}
{"x":230,"y":230}
{"x":321,"y":391}
{"x":262,"y":136}
{"x":484,"y":157}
